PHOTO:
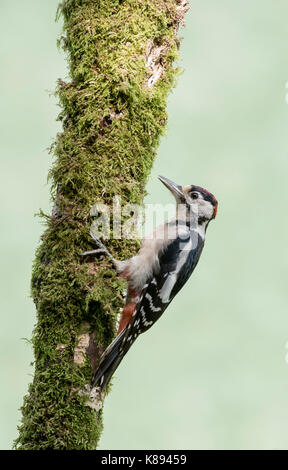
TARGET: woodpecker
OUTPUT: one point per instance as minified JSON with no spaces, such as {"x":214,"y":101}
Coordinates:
{"x":162,"y":266}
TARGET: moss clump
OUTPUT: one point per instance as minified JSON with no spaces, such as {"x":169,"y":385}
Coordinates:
{"x":112,"y":121}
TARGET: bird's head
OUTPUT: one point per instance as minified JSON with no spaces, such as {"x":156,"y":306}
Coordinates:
{"x":194,"y":199}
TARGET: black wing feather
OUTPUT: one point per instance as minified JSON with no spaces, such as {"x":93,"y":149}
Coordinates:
{"x":151,"y":306}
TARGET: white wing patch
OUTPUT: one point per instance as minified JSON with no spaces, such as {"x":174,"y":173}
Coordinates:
{"x":171,"y":279}
{"x":167,"y":287}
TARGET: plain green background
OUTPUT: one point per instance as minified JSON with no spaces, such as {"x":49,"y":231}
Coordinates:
{"x":211,"y":374}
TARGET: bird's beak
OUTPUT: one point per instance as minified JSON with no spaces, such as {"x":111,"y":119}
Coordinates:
{"x":175,"y":189}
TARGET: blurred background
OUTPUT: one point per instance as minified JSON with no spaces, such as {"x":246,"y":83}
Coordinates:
{"x":212,"y":373}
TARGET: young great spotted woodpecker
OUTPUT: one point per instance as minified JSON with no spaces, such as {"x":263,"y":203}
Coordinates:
{"x":156,"y":274}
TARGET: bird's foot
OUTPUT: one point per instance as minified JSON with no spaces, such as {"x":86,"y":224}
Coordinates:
{"x":102,"y":249}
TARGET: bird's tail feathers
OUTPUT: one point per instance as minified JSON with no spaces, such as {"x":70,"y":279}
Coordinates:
{"x":109,"y":362}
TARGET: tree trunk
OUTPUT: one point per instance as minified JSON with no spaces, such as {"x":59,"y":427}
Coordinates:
{"x":121,"y":55}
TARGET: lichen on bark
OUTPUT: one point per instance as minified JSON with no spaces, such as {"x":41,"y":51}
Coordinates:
{"x":120,"y":55}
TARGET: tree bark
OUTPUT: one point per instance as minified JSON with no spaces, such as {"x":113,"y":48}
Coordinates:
{"x":121,"y":55}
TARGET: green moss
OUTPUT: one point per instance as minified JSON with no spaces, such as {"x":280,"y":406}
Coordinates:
{"x":97,"y":156}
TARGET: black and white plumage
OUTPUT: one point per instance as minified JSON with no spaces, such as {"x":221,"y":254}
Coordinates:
{"x":176,"y":264}
{"x":158,"y":272}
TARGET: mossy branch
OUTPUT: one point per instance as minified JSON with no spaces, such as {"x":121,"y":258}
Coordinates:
{"x":121,"y":55}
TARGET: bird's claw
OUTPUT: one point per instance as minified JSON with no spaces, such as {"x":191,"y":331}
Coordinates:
{"x":102,"y":249}
{"x":92,"y":252}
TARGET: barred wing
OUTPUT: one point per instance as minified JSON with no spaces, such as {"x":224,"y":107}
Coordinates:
{"x":176,"y":266}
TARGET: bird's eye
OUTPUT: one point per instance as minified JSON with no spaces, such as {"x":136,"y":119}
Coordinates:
{"x":194,"y":195}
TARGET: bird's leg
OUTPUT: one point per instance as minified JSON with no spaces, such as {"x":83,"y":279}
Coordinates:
{"x":102,"y":249}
